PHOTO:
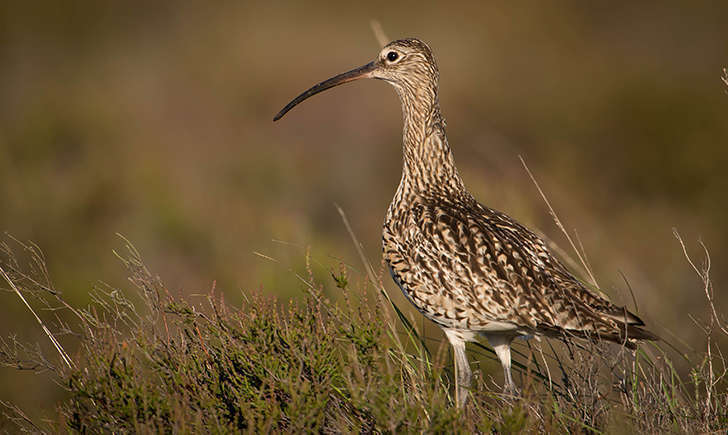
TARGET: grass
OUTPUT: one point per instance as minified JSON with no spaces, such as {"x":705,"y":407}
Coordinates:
{"x":150,"y":361}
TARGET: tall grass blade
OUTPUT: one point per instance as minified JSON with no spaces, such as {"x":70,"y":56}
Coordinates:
{"x":64,"y":356}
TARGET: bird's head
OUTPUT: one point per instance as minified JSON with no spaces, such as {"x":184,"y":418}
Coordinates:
{"x":407,"y":64}
{"x":406,"y":61}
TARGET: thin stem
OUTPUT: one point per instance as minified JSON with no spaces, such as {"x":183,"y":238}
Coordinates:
{"x":64,"y":356}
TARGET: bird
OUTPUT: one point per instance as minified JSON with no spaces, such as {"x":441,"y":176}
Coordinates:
{"x":472,"y":270}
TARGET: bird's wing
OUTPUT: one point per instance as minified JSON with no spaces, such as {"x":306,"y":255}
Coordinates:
{"x":500,"y":271}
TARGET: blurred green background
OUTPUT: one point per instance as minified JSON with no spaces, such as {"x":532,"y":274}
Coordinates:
{"x":153,"y":119}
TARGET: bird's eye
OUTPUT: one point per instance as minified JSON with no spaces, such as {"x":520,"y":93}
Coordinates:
{"x":392,"y":56}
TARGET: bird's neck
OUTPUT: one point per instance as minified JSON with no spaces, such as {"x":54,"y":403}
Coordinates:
{"x":428,"y":161}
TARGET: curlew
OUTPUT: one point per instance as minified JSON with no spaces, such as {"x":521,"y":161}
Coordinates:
{"x":470,"y":269}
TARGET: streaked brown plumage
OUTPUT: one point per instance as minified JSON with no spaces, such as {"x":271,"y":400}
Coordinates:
{"x":470,"y":269}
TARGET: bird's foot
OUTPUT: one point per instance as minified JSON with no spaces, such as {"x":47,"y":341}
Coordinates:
{"x":511,"y":390}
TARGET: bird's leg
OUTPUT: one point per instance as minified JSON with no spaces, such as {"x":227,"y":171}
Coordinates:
{"x":462,"y":374}
{"x":502,"y":345}
{"x":462,"y":368}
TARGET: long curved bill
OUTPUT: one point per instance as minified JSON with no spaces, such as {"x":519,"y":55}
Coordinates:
{"x":357,"y":73}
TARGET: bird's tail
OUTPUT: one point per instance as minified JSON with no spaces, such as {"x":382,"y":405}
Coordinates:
{"x":632,"y":334}
{"x":630,"y":328}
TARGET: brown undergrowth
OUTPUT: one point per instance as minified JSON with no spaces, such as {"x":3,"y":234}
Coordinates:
{"x":149,"y":361}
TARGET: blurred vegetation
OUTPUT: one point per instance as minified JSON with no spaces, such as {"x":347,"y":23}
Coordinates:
{"x":154,"y":121}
